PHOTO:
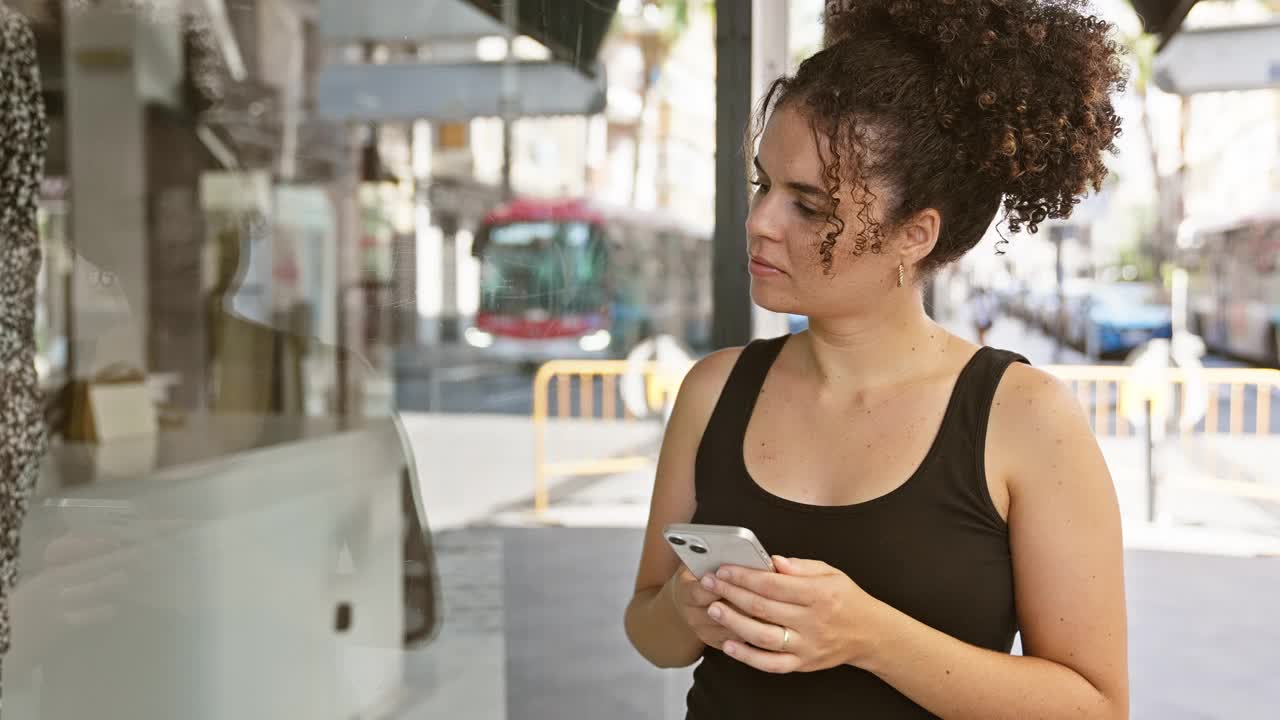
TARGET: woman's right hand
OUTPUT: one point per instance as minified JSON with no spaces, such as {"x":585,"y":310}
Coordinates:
{"x":691,"y":601}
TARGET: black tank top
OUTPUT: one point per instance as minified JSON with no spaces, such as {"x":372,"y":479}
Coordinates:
{"x":935,"y":548}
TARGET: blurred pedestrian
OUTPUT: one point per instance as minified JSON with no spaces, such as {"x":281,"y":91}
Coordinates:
{"x":983,"y":306}
{"x":906,"y":480}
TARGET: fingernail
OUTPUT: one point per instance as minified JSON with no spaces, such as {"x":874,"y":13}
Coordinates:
{"x":709,"y":582}
{"x":723,"y":574}
{"x":730,"y":649}
{"x":714,"y":612}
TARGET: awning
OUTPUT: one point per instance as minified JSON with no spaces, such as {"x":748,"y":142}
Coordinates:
{"x":453,"y":92}
{"x":1241,"y":57}
{"x":573,"y":30}
{"x":1162,"y":18}
{"x":571,"y":82}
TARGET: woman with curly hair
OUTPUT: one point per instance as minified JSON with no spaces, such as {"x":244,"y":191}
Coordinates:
{"x":926,"y":499}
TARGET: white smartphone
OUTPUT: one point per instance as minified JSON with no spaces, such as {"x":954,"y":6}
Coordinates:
{"x":704,"y":548}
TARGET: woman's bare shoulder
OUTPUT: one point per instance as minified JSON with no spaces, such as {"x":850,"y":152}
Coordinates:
{"x":706,"y":379}
{"x":1036,"y":421}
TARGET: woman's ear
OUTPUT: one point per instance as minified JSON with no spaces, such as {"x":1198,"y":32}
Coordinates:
{"x":919,"y":235}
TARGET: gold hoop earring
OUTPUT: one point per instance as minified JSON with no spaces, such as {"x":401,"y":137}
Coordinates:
{"x":902,"y":274}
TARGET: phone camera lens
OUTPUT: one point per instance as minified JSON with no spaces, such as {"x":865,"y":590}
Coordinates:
{"x":676,"y":540}
{"x":698,"y":549}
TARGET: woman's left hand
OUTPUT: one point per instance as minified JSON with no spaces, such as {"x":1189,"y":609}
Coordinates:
{"x":806,"y":616}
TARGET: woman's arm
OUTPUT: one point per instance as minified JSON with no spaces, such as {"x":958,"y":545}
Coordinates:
{"x":1065,"y":536}
{"x":653,"y":623}
{"x":1068,"y":574}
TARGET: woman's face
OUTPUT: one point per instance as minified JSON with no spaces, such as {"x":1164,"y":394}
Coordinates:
{"x":787,"y":224}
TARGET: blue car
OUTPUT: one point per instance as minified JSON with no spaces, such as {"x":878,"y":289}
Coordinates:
{"x":1123,"y":316}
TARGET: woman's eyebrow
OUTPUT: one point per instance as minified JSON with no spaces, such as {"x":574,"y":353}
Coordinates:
{"x":799,"y":187}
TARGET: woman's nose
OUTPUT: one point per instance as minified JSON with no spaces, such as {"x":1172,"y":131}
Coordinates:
{"x":762,"y":221}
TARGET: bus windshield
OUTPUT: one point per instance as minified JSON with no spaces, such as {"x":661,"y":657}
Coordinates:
{"x":557,"y":268}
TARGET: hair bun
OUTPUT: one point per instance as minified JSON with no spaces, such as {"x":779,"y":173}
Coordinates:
{"x":1023,"y":87}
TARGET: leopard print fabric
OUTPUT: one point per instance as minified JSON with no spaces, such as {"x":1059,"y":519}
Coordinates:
{"x":22,"y":152}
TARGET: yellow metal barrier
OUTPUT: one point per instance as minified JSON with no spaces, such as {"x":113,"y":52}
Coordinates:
{"x":1109,"y":393}
{"x":659,"y":388}
{"x":1105,"y":391}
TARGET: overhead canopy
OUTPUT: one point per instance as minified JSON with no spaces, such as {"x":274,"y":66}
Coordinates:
{"x":572,"y":82}
{"x":1162,"y":18}
{"x":573,"y":30}
{"x":452,"y":92}
{"x":1242,"y":57}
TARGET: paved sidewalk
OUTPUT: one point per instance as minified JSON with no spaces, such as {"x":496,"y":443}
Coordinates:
{"x":473,"y":466}
{"x":462,"y":671}
{"x":1203,"y":638}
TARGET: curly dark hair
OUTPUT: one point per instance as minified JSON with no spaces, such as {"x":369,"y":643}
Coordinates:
{"x":957,"y":105}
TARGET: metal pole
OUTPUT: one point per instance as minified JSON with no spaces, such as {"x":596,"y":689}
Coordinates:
{"x":731,"y":293}
{"x":510,"y":90}
{"x":541,"y":497}
{"x":1149,"y":442}
{"x":1059,"y":322}
{"x":769,"y":46}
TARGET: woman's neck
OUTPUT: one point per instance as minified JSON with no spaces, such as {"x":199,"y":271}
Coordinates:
{"x":877,"y":350}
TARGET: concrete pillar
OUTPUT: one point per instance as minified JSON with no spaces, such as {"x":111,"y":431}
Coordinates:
{"x":349,"y":319}
{"x":451,"y":158}
{"x":449,"y":278}
{"x":116,"y":60}
{"x":404,"y":291}
{"x":404,"y":255}
{"x":178,"y":333}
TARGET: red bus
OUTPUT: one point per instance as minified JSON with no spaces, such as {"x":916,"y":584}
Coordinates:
{"x":567,"y":279}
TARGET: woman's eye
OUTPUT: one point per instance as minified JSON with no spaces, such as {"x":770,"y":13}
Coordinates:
{"x":760,"y":186}
{"x":806,"y":210}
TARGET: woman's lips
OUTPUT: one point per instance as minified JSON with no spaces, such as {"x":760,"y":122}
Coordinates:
{"x":759,"y":268}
